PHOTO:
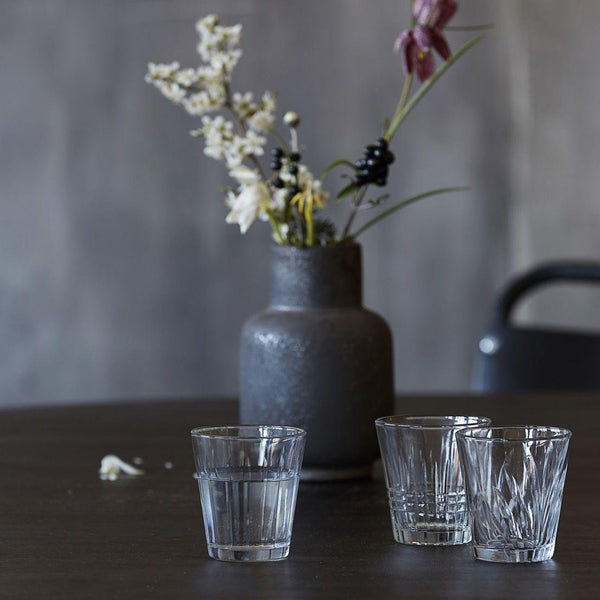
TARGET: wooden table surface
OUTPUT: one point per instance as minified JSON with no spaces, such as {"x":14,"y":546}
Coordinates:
{"x":65,"y":534}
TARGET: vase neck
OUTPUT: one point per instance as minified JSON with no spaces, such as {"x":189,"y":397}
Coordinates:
{"x":318,"y":277}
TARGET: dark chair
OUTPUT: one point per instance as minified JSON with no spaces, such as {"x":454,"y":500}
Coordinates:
{"x":532,"y":359}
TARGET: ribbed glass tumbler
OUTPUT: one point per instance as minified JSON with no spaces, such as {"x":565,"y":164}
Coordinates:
{"x":248,"y":479}
{"x":424,"y":481}
{"x":514,"y":478}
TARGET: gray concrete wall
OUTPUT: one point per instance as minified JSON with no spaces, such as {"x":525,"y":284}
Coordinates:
{"x":118,"y":274}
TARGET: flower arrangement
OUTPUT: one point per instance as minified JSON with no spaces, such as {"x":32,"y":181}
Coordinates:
{"x":290,"y":197}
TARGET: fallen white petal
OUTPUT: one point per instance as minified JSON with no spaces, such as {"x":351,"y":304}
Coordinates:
{"x":112,"y":466}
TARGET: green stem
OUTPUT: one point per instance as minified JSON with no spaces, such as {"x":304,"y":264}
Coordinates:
{"x":294,"y":139}
{"x":280,"y":139}
{"x":275,"y":227}
{"x":333,"y":165}
{"x":404,"y":203}
{"x":402,"y":102}
{"x":310,"y":230}
{"x":427,"y":86}
{"x":360,"y":196}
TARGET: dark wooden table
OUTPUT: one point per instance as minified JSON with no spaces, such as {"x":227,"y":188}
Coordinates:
{"x":65,"y":534}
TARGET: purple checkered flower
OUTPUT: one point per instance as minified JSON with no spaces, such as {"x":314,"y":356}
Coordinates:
{"x":434,"y":14}
{"x":415,"y":57}
{"x":417,"y":44}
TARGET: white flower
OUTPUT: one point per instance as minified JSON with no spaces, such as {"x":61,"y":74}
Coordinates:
{"x":317,"y":187}
{"x":249,"y":201}
{"x":207,"y":23}
{"x":253,"y":143}
{"x":161,"y":71}
{"x":306,"y":181}
{"x":238,"y":148}
{"x":208,"y":77}
{"x":206,"y":101}
{"x":161,"y":76}
{"x":225,"y":61}
{"x":278,"y":200}
{"x":241,"y":147}
{"x":261,"y":121}
{"x":231,"y":35}
{"x":284,"y":229}
{"x":305,"y":177}
{"x":187,"y":77}
{"x":244,"y":175}
{"x":244,"y":104}
{"x":215,"y":151}
{"x":217,"y":134}
{"x":253,"y":198}
{"x":235,"y":152}
{"x":268,"y":101}
{"x":218,"y":44}
{"x":260,"y":117}
{"x":171,"y":91}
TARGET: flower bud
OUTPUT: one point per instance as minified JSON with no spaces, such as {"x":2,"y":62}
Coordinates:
{"x":291,"y":119}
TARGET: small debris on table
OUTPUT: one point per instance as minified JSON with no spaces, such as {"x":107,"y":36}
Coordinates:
{"x":168,"y":465}
{"x":137,"y":461}
{"x":111,"y":468}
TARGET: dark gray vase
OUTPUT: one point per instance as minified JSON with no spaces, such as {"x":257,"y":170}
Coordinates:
{"x":316,"y":359}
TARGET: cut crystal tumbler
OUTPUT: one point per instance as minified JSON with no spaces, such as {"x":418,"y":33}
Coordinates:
{"x":425,"y":487}
{"x":248,"y":479}
{"x":514,"y":478}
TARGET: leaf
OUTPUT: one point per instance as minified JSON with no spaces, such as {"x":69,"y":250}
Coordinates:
{"x":349,"y":189}
{"x":404,"y":203}
{"x":333,"y":165}
{"x":428,"y":85}
{"x":379,"y":200}
{"x":374,"y":202}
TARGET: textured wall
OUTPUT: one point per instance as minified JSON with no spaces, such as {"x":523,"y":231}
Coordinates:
{"x":118,"y":275}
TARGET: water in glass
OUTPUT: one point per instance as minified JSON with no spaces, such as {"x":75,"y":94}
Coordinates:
{"x":249,"y":515}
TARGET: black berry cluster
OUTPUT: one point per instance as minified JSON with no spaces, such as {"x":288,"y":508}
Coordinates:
{"x":292,"y":159}
{"x":374,"y":167}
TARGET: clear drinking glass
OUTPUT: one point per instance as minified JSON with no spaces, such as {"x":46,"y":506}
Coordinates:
{"x":514,"y":478}
{"x":248,"y":479}
{"x":425,"y":487}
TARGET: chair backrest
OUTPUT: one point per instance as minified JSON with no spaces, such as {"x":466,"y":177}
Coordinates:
{"x":532,"y":359}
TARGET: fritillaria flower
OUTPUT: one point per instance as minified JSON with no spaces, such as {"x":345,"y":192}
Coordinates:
{"x":434,"y":14}
{"x":417,"y":44}
{"x":415,"y":57}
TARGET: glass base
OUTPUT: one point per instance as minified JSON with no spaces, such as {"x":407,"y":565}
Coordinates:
{"x":509,"y":555}
{"x":249,"y":553}
{"x":433,"y":536}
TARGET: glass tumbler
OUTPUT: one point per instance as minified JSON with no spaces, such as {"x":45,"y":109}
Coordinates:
{"x":248,"y":479}
{"x":424,"y":481}
{"x":514,"y":478}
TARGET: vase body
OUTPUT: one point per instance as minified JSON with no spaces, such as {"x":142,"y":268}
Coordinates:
{"x":316,"y":359}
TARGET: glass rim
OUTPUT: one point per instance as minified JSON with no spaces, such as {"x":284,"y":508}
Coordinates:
{"x":387,"y":421}
{"x":551,"y":433}
{"x":218,"y":432}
